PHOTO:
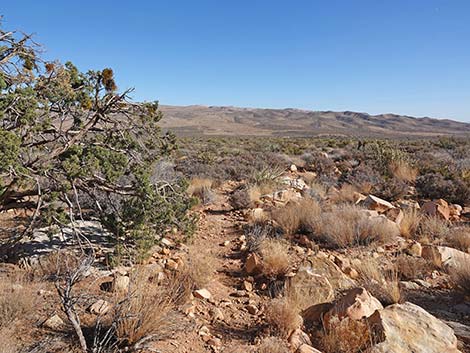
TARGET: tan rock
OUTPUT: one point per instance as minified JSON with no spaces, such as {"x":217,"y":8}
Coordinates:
{"x":438,"y":208}
{"x":444,"y":256}
{"x":408,"y":204}
{"x":305,"y":348}
{"x":100,"y":307}
{"x":395,"y":214}
{"x":327,"y":268}
{"x":377,"y":204}
{"x":293,"y":168}
{"x":252,"y":309}
{"x":311,"y":288}
{"x":358,"y":197}
{"x":314,"y":314}
{"x":54,"y":323}
{"x":455,"y":210}
{"x":202,"y":294}
{"x":298,"y":338}
{"x":408,"y":328}
{"x":414,"y":249}
{"x":461,"y":331}
{"x":253,"y":264}
{"x":120,"y":284}
{"x":356,"y":304}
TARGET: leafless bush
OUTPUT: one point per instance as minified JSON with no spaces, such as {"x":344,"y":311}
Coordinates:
{"x":202,"y":189}
{"x":433,"y":229}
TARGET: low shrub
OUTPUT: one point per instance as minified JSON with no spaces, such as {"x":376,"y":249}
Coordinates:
{"x":202,"y":189}
{"x":283,"y":317}
{"x":276,"y":258}
{"x":346,"y":336}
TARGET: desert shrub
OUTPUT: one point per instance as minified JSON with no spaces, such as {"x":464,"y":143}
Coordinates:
{"x":436,"y":186}
{"x":257,"y":232}
{"x":296,"y":216}
{"x":244,"y":196}
{"x":410,"y":223}
{"x":459,"y":238}
{"x":391,"y":189}
{"x":103,"y":155}
{"x":402,"y":170}
{"x":345,"y":194}
{"x":149,"y":311}
{"x":202,"y":189}
{"x":363,"y":178}
{"x":410,"y":267}
{"x":347,"y":225}
{"x":276,"y":258}
{"x":380,"y":155}
{"x":282,"y":317}
{"x":16,"y":302}
{"x":266,"y":176}
{"x":380,"y":280}
{"x":273,"y":345}
{"x":461,"y":275}
{"x":433,"y":229}
{"x":346,"y":336}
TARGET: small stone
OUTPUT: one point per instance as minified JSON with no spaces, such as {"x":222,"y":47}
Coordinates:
{"x":298,"y":338}
{"x":204,"y":331}
{"x":351,"y":272}
{"x":293,"y":168}
{"x":226,"y":243}
{"x":414,"y":249}
{"x":54,"y":323}
{"x":215,"y":342}
{"x":120,"y":284}
{"x":253,"y":264}
{"x":166,"y":242}
{"x":252,"y":309}
{"x":202,"y":294}
{"x":305,"y":348}
{"x":248,"y":286}
{"x":217,"y":314}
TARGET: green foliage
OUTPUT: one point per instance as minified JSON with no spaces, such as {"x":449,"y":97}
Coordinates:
{"x":70,"y":142}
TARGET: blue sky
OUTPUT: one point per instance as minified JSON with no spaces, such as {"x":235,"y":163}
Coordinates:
{"x":402,"y":56}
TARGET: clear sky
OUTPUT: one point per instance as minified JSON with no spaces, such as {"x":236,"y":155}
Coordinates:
{"x":402,"y":56}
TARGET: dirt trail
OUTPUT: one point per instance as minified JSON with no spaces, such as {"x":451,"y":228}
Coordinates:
{"x":225,"y":317}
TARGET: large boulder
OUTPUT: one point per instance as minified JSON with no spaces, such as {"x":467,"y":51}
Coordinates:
{"x":310,"y":288}
{"x":377,"y":204}
{"x":405,"y":328}
{"x":437,"y":208}
{"x":445,"y":257}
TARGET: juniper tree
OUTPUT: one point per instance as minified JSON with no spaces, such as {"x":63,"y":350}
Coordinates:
{"x":72,"y":146}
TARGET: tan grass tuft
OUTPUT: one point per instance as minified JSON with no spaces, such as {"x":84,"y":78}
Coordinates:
{"x":297,"y":216}
{"x":461,"y":275}
{"x":275,"y":256}
{"x":403,"y":171}
{"x":202,"y":189}
{"x":380,"y":280}
{"x":410,"y":223}
{"x":459,"y":238}
{"x":16,"y":301}
{"x":283,"y":317}
{"x":346,"y":336}
{"x":200,"y":267}
{"x":149,"y":309}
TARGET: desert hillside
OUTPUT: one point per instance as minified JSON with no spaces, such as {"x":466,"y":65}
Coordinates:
{"x":234,"y":121}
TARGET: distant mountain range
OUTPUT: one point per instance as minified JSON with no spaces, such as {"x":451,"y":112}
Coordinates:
{"x":197,"y":120}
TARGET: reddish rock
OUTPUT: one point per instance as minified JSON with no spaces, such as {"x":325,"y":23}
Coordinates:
{"x":438,"y":208}
{"x":253,"y":264}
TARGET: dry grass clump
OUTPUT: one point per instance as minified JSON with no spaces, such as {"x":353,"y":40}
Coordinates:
{"x":433,"y":229}
{"x":202,"y":189}
{"x":297,"y":216}
{"x":346,"y":194}
{"x":283,"y":317}
{"x":245,"y":196}
{"x":273,"y":345}
{"x":410,"y":223}
{"x":459,"y":238}
{"x":16,"y":301}
{"x":347,"y":225}
{"x":275,"y":256}
{"x":381,"y":281}
{"x":200,"y":267}
{"x":461,"y":275}
{"x":403,"y":171}
{"x":149,"y":311}
{"x":8,"y":342}
{"x":346,"y":336}
{"x":410,"y":267}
